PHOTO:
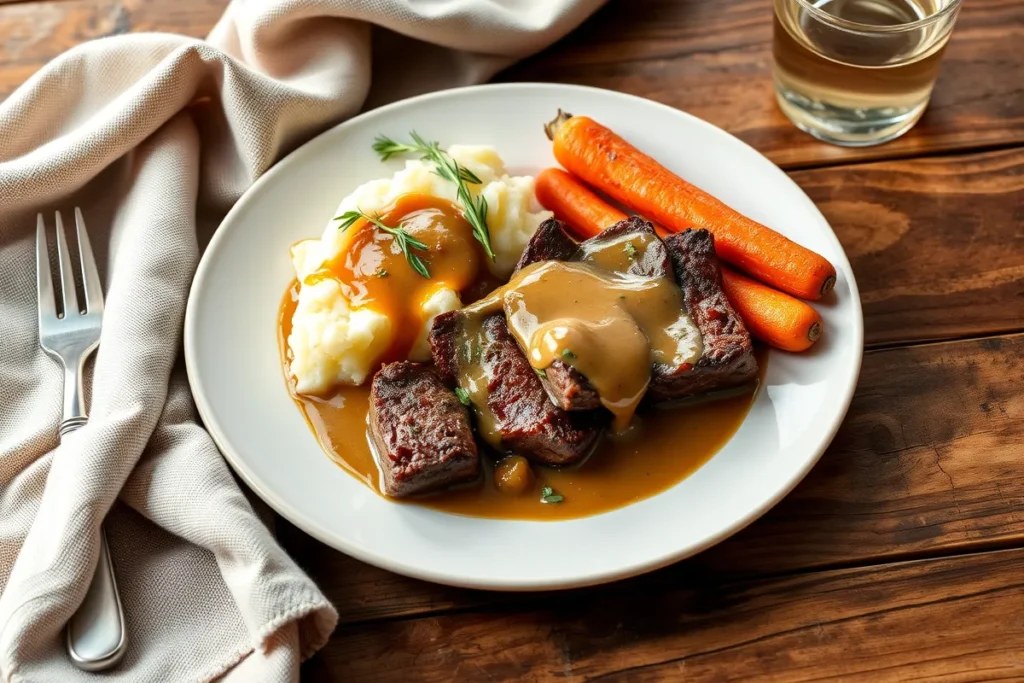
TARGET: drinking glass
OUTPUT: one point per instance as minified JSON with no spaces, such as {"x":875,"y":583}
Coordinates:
{"x":858,"y":72}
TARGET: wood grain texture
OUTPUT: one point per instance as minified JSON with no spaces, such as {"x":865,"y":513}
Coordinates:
{"x":926,"y":463}
{"x":957,"y":619}
{"x":936,"y":244}
{"x":33,"y":33}
{"x":705,"y":56}
{"x":713,"y":59}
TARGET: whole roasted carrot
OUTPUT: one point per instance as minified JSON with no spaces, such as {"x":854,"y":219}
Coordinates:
{"x":575,"y":203}
{"x":772,"y":316}
{"x":603,"y":159}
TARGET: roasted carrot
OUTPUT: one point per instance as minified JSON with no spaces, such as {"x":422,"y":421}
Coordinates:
{"x":575,"y":203}
{"x":772,"y":316}
{"x":606,"y":161}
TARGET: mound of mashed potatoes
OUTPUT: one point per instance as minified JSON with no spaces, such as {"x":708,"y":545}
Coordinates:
{"x":333,"y":342}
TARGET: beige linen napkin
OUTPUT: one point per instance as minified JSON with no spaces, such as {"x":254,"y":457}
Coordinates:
{"x":154,"y":136}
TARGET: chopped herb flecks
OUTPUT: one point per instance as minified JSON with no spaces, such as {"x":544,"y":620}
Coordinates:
{"x":630,"y":251}
{"x":568,"y":354}
{"x":381,"y":272}
{"x":463,"y":396}
{"x":548,"y":495}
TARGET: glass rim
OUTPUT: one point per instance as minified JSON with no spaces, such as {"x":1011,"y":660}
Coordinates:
{"x":856,"y":26}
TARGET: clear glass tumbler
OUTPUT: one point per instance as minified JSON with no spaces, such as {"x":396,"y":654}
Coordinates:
{"x":858,"y":72}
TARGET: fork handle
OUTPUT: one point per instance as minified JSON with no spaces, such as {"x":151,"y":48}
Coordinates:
{"x":74,"y":405}
{"x":71,"y":424}
{"x":96,"y":635}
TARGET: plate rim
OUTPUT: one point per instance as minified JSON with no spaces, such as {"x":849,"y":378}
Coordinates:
{"x":294,"y":516}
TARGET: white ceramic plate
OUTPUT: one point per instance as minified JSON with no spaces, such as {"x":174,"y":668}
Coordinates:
{"x":232,"y":356}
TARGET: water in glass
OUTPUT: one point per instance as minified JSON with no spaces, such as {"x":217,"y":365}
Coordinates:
{"x":858,"y":72}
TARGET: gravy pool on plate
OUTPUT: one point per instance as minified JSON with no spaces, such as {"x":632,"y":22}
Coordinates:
{"x":664,"y":447}
{"x":646,"y":453}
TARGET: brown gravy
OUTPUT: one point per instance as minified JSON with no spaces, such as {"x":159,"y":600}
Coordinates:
{"x":660,"y":450}
{"x":586,"y":316}
{"x":373,"y":272}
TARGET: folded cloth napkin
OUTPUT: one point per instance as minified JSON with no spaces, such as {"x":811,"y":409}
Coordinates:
{"x":155,"y":136}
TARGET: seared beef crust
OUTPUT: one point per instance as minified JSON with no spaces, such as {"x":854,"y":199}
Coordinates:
{"x":420,"y":431}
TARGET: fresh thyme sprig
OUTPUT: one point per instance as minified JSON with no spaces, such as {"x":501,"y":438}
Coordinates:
{"x":387,"y":148}
{"x":449,"y":169}
{"x":405,"y":241}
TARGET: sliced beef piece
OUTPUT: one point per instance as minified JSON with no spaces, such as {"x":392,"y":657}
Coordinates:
{"x":445,"y":337}
{"x":551,"y":242}
{"x":728,"y":358}
{"x":517,"y":408}
{"x":567,"y":387}
{"x":649,"y":260}
{"x":420,"y":431}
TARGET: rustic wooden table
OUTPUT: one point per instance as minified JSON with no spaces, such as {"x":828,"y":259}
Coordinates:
{"x":901,"y":556}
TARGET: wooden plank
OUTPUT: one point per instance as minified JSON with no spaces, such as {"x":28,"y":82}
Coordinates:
{"x":956,"y":619}
{"x":33,"y":33}
{"x":936,"y":244}
{"x":927,"y":463}
{"x":713,"y":59}
{"x":705,"y":56}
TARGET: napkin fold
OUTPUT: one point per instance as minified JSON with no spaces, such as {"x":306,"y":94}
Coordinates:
{"x":155,"y":136}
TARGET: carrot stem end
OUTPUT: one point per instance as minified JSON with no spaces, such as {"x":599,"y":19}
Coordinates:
{"x":551,"y":128}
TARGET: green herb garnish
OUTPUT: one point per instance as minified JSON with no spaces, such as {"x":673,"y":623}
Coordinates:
{"x":446,"y":167}
{"x":630,"y":251}
{"x":387,"y":148}
{"x":568,"y":354}
{"x":540,"y":372}
{"x":471,"y":352}
{"x":463,"y":396}
{"x":405,"y":241}
{"x":548,"y":495}
{"x":679,"y":334}
{"x":381,"y":272}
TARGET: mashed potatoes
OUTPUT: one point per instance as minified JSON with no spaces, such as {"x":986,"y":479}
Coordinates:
{"x":333,"y":342}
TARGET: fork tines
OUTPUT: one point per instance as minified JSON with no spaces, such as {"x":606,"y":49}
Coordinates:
{"x":92,"y":291}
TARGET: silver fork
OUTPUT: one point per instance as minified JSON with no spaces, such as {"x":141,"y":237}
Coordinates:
{"x":96,"y":633}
